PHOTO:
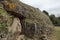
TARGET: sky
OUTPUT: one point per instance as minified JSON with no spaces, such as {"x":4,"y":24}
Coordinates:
{"x":51,"y":6}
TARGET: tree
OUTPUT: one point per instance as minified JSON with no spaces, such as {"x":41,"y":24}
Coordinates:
{"x":55,"y":20}
{"x":45,"y":12}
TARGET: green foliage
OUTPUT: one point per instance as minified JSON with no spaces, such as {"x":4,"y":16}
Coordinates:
{"x":45,"y":12}
{"x":55,"y":20}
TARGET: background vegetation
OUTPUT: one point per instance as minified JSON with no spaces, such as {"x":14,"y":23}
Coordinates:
{"x":55,"y":20}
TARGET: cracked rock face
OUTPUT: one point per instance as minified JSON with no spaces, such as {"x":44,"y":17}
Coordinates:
{"x":23,"y":23}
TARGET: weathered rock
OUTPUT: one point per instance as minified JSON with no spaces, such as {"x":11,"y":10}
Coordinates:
{"x":23,"y":22}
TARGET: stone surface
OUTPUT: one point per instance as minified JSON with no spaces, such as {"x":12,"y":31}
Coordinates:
{"x":23,"y":22}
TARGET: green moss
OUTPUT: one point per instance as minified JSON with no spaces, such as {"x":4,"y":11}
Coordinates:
{"x":6,"y":19}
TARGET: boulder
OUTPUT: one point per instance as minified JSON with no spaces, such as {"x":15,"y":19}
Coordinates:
{"x":23,"y":22}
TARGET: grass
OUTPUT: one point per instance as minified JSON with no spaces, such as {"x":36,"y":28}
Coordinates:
{"x":57,"y":33}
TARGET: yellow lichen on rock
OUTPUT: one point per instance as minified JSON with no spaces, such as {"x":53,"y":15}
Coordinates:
{"x":11,"y":5}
